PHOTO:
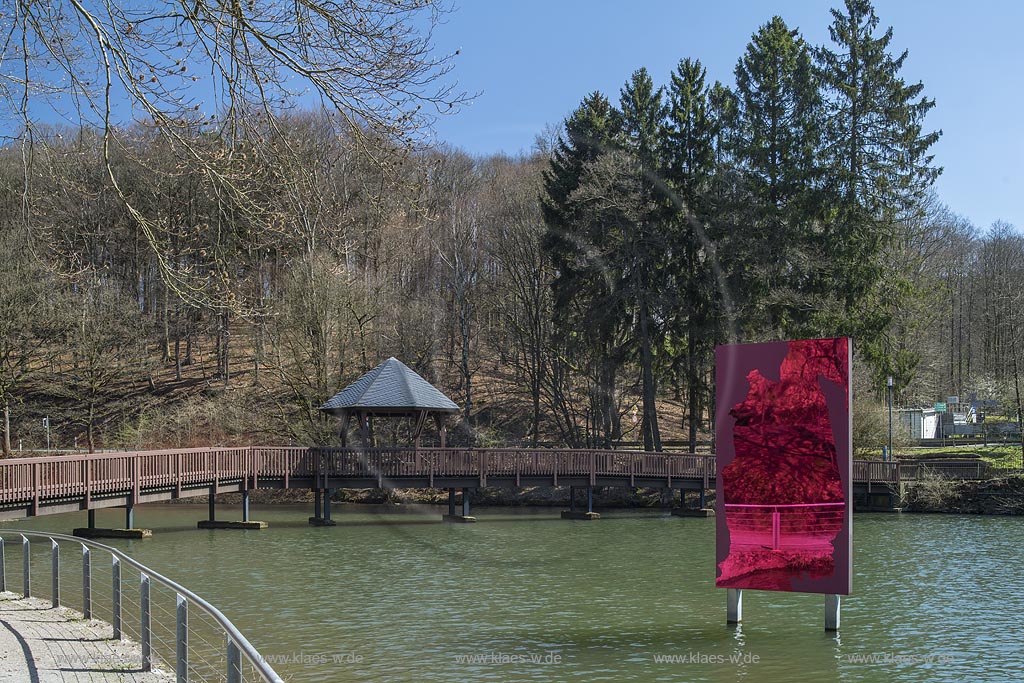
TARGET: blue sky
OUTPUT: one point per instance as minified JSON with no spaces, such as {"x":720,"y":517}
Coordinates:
{"x":533,"y":61}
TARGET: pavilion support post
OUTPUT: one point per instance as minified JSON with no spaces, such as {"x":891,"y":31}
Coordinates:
{"x":316,"y":503}
{"x":92,"y":519}
{"x":344,"y":429}
{"x":129,"y":515}
{"x":442,"y":429}
{"x":212,"y":512}
{"x":465,"y":502}
{"x":451,"y":502}
{"x":590,"y":499}
{"x":572,"y":499}
{"x":245,"y":505}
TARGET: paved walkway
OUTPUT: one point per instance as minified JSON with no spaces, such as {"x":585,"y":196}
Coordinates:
{"x":40,"y":644}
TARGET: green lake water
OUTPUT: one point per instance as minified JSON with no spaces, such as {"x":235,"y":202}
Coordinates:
{"x":395,"y":595}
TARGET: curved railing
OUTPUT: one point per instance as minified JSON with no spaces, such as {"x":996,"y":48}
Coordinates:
{"x":193,"y":639}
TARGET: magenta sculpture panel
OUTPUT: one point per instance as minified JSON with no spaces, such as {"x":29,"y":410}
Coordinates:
{"x":784,"y":467}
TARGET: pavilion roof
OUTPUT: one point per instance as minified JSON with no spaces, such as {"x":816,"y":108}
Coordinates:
{"x":390,"y":388}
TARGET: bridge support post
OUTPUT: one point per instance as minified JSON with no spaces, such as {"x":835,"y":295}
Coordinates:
{"x":321,"y":508}
{"x":129,"y":530}
{"x":211,"y":514}
{"x":245,"y":523}
{"x":832,"y":612}
{"x":733,"y":605}
{"x":573,"y":513}
{"x":452,"y":515}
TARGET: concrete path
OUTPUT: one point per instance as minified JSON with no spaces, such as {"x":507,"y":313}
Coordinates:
{"x":40,"y":644}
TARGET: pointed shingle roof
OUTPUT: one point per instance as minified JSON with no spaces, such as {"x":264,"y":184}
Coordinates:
{"x":391,"y":387}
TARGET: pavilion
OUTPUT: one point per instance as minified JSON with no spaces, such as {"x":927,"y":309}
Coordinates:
{"x":391,"y":390}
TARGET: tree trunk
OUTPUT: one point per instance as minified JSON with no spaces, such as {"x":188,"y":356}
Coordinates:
{"x":1016,"y":388}
{"x":7,"y":428}
{"x":652,"y":436}
{"x":89,"y":431}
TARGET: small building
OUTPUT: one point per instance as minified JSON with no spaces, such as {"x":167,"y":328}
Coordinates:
{"x":919,"y":423}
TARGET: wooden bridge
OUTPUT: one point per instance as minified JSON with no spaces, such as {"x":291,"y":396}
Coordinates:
{"x":66,"y":483}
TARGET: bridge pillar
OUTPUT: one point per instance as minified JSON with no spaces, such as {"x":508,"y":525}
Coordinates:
{"x":321,"y":508}
{"x":245,"y":522}
{"x":452,"y":516}
{"x":573,"y":513}
{"x":129,"y":530}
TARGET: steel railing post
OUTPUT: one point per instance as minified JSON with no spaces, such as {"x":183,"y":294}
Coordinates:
{"x":145,"y":626}
{"x":234,"y":656}
{"x":26,"y":567}
{"x":116,"y":585}
{"x":55,"y":569}
{"x":86,"y":582}
{"x":182,"y":641}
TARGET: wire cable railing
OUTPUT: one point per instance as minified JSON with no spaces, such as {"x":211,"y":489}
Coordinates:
{"x":175,"y":629}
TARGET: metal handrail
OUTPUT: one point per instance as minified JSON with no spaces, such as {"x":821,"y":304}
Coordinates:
{"x":237,"y":644}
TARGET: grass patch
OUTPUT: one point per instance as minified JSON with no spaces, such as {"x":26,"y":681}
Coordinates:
{"x":1001,"y":457}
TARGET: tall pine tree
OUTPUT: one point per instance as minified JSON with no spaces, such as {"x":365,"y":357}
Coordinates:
{"x":643,"y":126}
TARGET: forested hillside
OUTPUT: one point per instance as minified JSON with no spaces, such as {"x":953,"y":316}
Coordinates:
{"x":217,"y":285}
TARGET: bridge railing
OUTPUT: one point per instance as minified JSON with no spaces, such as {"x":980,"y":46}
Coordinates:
{"x":795,"y":527}
{"x":80,"y":476}
{"x":876,"y":471}
{"x":176,"y":631}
